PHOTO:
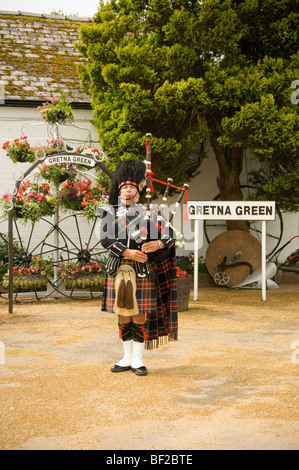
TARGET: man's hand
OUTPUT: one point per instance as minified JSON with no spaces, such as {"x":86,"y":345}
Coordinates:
{"x":150,"y":247}
{"x":135,"y":255}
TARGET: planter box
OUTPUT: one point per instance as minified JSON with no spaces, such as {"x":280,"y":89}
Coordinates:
{"x":26,"y":283}
{"x":183,"y":289}
{"x":93,"y":282}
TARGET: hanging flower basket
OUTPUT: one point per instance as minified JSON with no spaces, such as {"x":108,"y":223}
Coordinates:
{"x":58,"y":110}
{"x":57,"y":173}
{"x":19,"y":150}
{"x":81,"y":195}
{"x":32,"y":202}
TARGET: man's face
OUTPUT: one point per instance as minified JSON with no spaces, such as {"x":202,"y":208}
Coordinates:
{"x":129,"y":194}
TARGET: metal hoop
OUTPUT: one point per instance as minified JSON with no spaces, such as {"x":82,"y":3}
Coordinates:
{"x":20,"y":178}
{"x":43,"y":154}
{"x":99,"y":160}
{"x":5,"y":208}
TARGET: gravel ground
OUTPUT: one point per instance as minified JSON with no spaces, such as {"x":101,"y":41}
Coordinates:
{"x":230,"y":382}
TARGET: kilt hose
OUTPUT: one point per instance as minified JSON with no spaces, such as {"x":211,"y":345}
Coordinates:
{"x":156,"y":298}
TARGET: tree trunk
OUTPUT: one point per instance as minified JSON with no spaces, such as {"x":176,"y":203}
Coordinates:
{"x":230,"y":162}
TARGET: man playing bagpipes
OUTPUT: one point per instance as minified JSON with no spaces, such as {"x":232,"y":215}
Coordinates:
{"x":141,"y":269}
{"x":141,"y":282}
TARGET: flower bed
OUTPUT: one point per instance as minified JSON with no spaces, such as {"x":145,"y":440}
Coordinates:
{"x":183,"y":288}
{"x":26,"y":282}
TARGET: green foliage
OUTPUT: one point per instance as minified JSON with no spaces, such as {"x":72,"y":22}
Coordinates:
{"x":190,"y":71}
{"x":186,"y":263}
{"x":4,"y":248}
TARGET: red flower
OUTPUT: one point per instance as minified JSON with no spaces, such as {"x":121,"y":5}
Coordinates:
{"x":180,"y":272}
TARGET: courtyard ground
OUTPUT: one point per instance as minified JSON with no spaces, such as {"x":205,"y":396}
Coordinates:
{"x":230,"y":382}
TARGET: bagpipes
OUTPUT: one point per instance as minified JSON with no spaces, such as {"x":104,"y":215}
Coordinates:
{"x":145,"y":231}
{"x":141,"y":223}
{"x":169,"y":184}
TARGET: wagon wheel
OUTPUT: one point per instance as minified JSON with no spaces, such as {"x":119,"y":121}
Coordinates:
{"x":27,"y":244}
{"x":212,"y":228}
{"x":221,"y":278}
{"x":81,"y":244}
{"x":68,"y":240}
{"x":232,"y":256}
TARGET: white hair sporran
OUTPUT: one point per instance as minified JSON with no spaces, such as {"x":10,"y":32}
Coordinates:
{"x":125,"y":291}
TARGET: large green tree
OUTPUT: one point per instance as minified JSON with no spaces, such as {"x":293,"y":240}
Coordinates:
{"x":195,"y":72}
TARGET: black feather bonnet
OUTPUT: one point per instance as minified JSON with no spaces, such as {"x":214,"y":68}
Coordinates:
{"x":133,"y":171}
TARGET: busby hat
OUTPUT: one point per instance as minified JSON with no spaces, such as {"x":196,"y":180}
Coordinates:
{"x":127,"y":172}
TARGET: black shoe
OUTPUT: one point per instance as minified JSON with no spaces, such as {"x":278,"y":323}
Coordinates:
{"x":140,"y":370}
{"x":117,"y":368}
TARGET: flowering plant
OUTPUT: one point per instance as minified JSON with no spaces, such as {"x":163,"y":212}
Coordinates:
{"x":53,"y":146}
{"x":57,"y":172}
{"x":69,"y":270}
{"x":90,"y":152}
{"x":38,"y":266}
{"x":187,"y":263}
{"x":32,"y":202}
{"x":82,"y":195}
{"x":180,"y":272}
{"x":31,"y":278}
{"x":58,"y":110}
{"x":19,"y":150}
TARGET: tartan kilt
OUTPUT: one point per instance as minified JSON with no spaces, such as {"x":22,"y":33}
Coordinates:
{"x":156,"y":298}
{"x":145,"y":293}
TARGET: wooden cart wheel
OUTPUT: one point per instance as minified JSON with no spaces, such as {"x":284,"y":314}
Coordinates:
{"x":232,"y":256}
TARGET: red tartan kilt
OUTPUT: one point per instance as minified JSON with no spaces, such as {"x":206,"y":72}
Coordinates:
{"x":146,"y":294}
{"x":156,"y":298}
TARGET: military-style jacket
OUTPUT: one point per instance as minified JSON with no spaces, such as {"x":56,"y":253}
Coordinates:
{"x":127,"y":227}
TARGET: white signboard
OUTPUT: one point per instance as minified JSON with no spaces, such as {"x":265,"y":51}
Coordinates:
{"x":231,"y":210}
{"x":76,"y":159}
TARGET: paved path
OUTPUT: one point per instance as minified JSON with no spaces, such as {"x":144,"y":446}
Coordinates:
{"x":230,"y":382}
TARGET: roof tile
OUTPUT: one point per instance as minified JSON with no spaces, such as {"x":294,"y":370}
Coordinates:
{"x":38,"y":56}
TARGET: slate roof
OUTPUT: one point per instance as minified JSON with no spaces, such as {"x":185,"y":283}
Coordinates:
{"x":38,"y":57}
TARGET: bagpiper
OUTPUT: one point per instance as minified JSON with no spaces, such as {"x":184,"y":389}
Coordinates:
{"x":140,"y":284}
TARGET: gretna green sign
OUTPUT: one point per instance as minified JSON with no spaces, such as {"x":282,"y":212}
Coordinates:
{"x":230,"y":210}
{"x":76,"y":159}
{"x":237,"y":210}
